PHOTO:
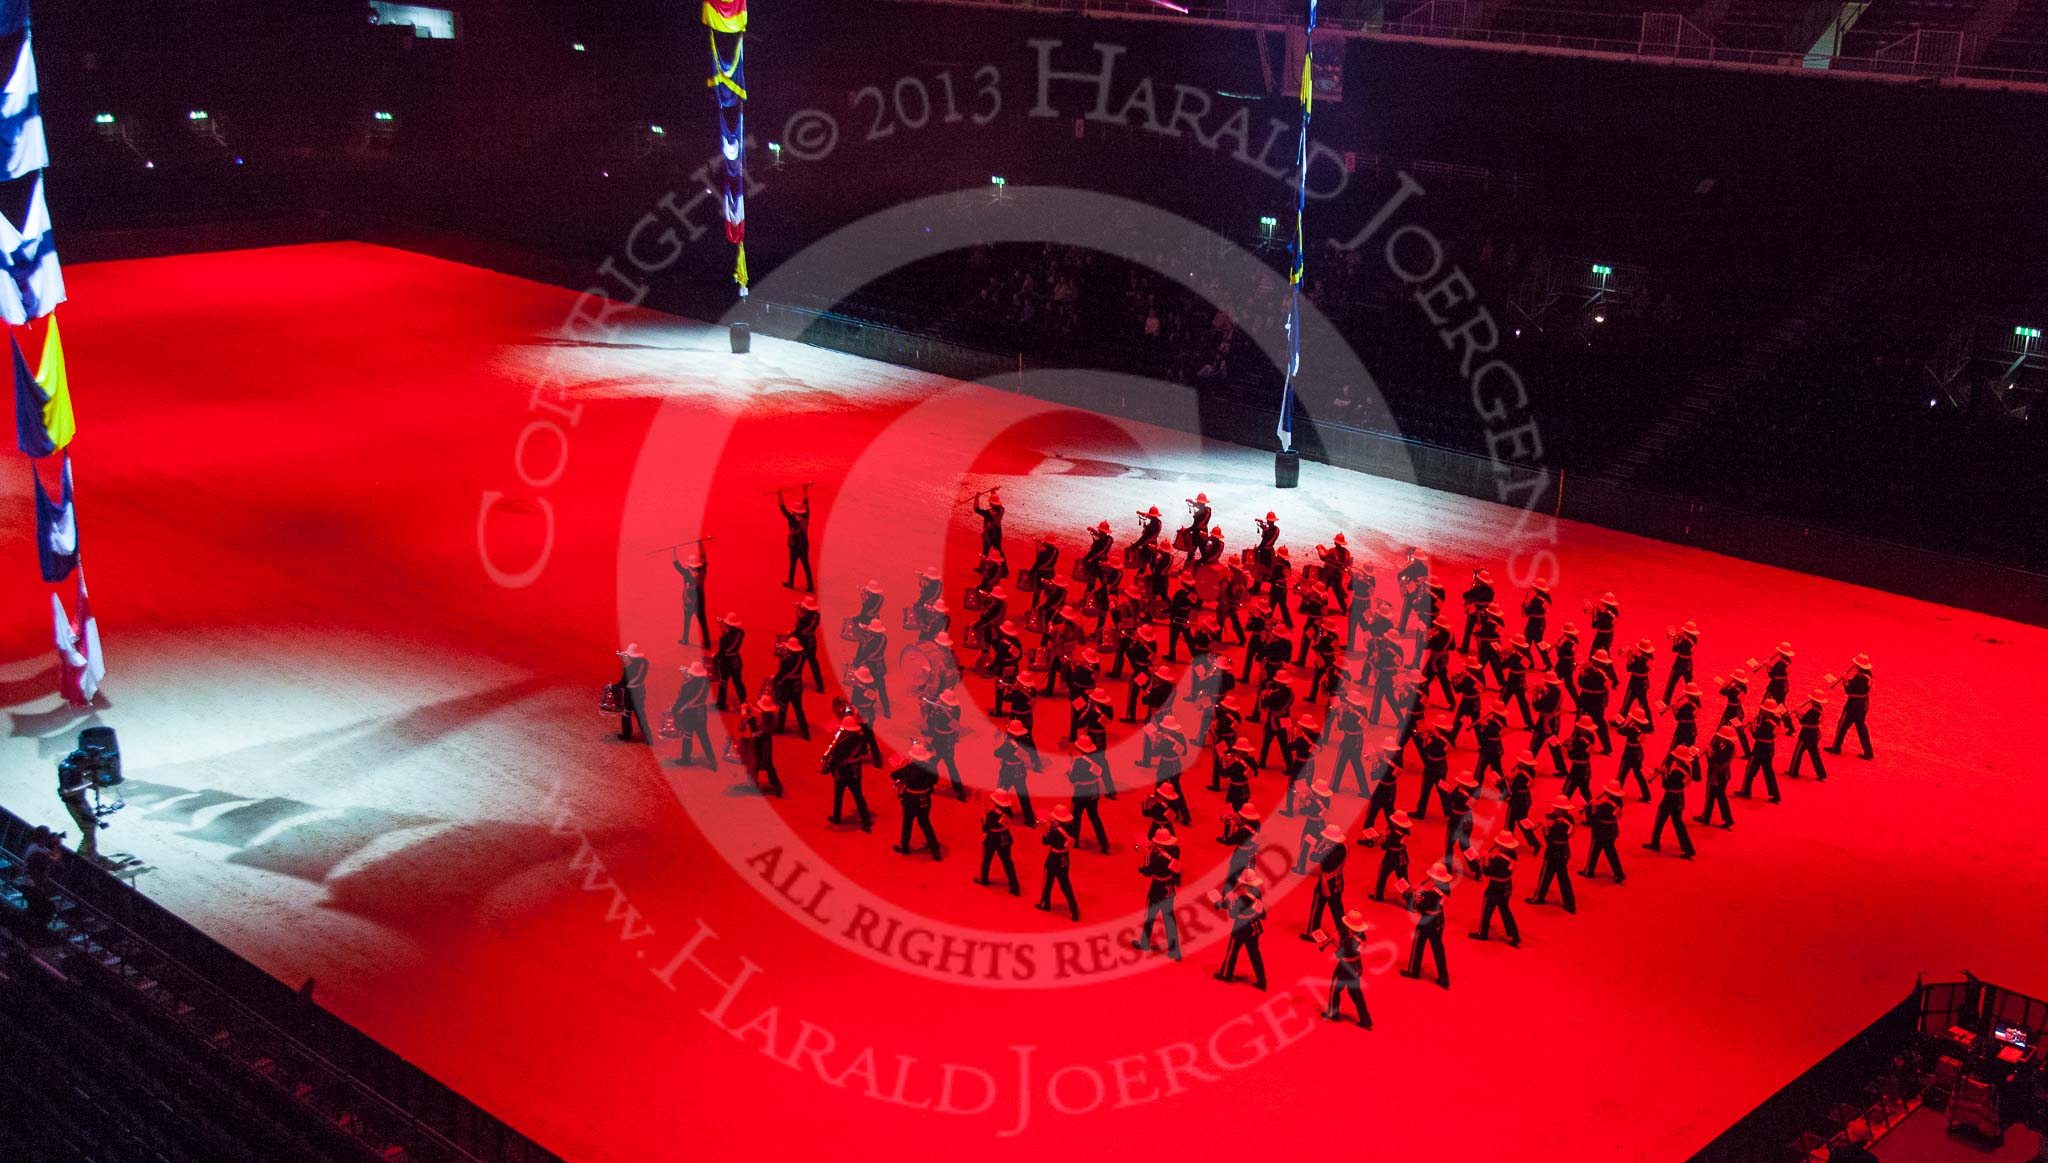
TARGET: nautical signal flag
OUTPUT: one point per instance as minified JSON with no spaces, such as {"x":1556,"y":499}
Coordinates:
{"x":23,"y":147}
{"x":56,"y":529}
{"x":726,"y":15}
{"x":79,"y":660}
{"x":28,"y":253}
{"x":43,"y":420}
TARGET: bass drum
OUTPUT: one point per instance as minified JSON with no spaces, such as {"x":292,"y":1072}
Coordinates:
{"x":927,"y":668}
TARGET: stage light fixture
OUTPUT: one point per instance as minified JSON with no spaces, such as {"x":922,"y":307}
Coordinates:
{"x":2027,"y":332}
{"x":103,"y":119}
{"x":1602,"y":270}
{"x":1599,"y":318}
{"x":197,"y":115}
{"x":998,"y":180}
{"x":657,"y":131}
{"x":382,"y":116}
{"x":775,"y":147}
{"x":576,"y":46}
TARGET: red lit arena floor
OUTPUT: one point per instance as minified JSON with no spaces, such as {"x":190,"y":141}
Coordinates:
{"x":355,"y":756}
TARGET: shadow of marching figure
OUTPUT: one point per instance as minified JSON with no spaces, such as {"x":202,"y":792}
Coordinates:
{"x":448,"y":867}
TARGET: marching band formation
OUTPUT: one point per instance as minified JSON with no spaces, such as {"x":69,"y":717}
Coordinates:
{"x":1291,"y":667}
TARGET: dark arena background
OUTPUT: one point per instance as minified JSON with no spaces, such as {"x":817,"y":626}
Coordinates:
{"x":1574,"y":428}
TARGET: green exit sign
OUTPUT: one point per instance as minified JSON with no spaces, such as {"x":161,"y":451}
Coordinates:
{"x":2027,"y":332}
{"x":1602,"y":271}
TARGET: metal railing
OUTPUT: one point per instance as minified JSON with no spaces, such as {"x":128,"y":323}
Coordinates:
{"x":1919,"y":57}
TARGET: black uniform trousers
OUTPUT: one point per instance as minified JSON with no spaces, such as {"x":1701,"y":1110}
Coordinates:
{"x":1556,"y":870}
{"x":1760,"y":757}
{"x":1345,"y":983}
{"x":1671,"y":809}
{"x":917,"y":810}
{"x":842,"y":786}
{"x":1808,"y":745}
{"x":1156,"y":909}
{"x":1496,"y":900}
{"x":991,"y":853}
{"x":1393,"y":865}
{"x":1604,"y":846}
{"x":1248,"y":944}
{"x":1852,"y":716}
{"x":1431,"y":934}
{"x":1057,"y":875}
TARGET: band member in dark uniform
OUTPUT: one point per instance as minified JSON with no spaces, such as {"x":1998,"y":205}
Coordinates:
{"x":799,"y":518}
{"x":915,"y":780}
{"x":1245,"y":905}
{"x":1086,"y":774}
{"x":1676,"y":772}
{"x":1348,"y":721}
{"x":786,"y":686}
{"x":726,"y":665}
{"x":1685,"y":641}
{"x":1536,"y":611}
{"x":1632,"y":730}
{"x":1685,"y":717}
{"x":1315,"y":810}
{"x":757,"y":742}
{"x":1329,"y":870}
{"x":844,"y":758}
{"x":633,"y":690}
{"x":1058,"y":860}
{"x":1241,"y":832}
{"x":1148,"y":535}
{"x":1601,"y":616}
{"x":1596,"y":682}
{"x":1014,"y":762}
{"x":691,"y":711}
{"x":1162,"y":877}
{"x":1855,"y":706}
{"x":1269,"y":536}
{"x":1433,"y":747}
{"x":1197,"y":529}
{"x":991,"y":523}
{"x":693,"y":572}
{"x":996,"y":839}
{"x":1428,"y":902}
{"x":1520,"y":789}
{"x":1277,"y":576}
{"x":1763,"y":733}
{"x":1806,"y":744}
{"x":1720,"y":771}
{"x":1603,"y":820}
{"x":1557,"y":857}
{"x":1457,"y":805}
{"x":1636,"y":693}
{"x":1412,"y":577}
{"x":1385,"y":782}
{"x":1498,"y":867}
{"x":1477,"y":596}
{"x":1563,"y":656}
{"x":1346,"y":978}
{"x":1393,"y":845}
{"x":942,"y":731}
{"x":806,"y":633}
{"x":1169,"y":747}
{"x":1778,"y":673}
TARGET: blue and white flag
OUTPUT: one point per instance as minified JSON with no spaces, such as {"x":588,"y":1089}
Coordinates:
{"x":56,"y":529}
{"x":28,"y":255}
{"x":23,"y":147}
